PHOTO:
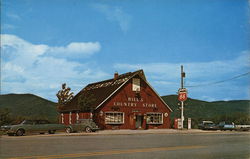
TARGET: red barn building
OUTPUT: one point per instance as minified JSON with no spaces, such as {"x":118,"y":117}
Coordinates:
{"x":126,"y":101}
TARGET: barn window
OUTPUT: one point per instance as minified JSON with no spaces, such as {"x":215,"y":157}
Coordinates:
{"x":114,"y":118}
{"x":154,"y":118}
{"x":136,"y":84}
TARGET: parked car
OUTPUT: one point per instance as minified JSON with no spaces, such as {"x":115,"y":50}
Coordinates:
{"x":242,"y":127}
{"x":226,"y":125}
{"x":32,"y":126}
{"x":207,"y":125}
{"x":82,"y":125}
{"x":210,"y":127}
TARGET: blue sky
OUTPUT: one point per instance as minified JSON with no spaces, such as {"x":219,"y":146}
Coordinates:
{"x":45,"y":43}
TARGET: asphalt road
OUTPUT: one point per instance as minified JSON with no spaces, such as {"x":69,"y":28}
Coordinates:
{"x":233,"y":145}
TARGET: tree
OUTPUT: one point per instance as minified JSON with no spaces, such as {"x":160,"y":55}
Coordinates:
{"x":5,"y":117}
{"x":64,"y":95}
{"x":86,"y":102}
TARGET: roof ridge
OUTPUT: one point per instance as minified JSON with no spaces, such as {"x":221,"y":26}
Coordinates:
{"x":112,"y":79}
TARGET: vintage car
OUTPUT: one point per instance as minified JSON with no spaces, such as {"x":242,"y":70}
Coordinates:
{"x":207,"y":125}
{"x":32,"y":126}
{"x":82,"y":125}
{"x":226,"y":125}
{"x":242,"y":127}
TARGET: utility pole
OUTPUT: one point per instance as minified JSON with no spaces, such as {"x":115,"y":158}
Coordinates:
{"x":182,"y":102}
{"x":182,"y":76}
{"x":182,"y":95}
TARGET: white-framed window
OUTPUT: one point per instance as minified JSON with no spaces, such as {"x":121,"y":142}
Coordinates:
{"x":114,"y":118}
{"x":136,"y":84}
{"x":154,"y":118}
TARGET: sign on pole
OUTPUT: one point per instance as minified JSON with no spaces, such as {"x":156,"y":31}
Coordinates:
{"x":182,"y":95}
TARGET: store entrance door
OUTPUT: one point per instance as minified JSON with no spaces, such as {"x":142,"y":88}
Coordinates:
{"x":138,"y":122}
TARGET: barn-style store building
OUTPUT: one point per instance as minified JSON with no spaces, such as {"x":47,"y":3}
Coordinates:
{"x":126,"y":101}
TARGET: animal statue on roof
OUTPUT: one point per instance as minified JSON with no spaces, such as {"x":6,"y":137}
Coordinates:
{"x":64,"y":95}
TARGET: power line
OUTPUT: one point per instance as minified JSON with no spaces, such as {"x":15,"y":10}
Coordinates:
{"x":222,"y":81}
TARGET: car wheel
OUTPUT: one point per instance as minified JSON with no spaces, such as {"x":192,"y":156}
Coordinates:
{"x":88,"y":129}
{"x":52,"y":131}
{"x":20,"y":132}
{"x":68,"y":130}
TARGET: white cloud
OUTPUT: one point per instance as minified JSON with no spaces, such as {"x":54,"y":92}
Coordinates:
{"x":166,"y":76}
{"x":115,"y":14}
{"x":75,"y":49}
{"x":12,"y":67}
{"x":30,"y":68}
{"x":18,"y":50}
{"x":195,"y":70}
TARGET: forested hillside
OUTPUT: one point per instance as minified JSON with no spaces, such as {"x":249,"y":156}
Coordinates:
{"x":20,"y":106}
{"x":237,"y":111}
{"x":16,"y":107}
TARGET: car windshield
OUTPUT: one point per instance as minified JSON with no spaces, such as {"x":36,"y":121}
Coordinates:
{"x":84,"y":121}
{"x":211,"y":124}
{"x":226,"y":123}
{"x":27,"y":122}
{"x":208,"y":122}
{"x":43,"y":122}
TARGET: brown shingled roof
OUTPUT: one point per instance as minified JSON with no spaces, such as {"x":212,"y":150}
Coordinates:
{"x":101,"y":91}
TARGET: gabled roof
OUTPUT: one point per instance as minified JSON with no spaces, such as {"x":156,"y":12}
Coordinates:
{"x":103,"y":90}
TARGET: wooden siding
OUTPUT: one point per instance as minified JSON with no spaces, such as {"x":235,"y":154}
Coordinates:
{"x":132,"y":105}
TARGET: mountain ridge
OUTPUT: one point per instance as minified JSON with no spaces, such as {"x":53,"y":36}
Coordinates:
{"x":28,"y":105}
{"x":33,"y":106}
